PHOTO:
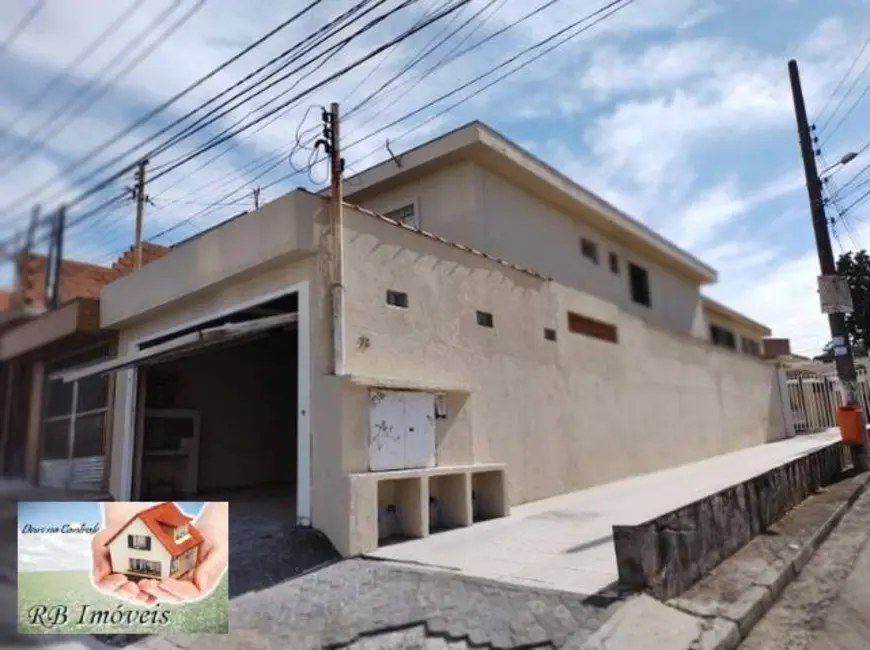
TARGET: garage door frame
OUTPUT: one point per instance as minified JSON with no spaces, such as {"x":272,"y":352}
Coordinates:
{"x":303,"y":409}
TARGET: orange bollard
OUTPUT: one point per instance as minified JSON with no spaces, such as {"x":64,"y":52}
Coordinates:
{"x":852,"y":429}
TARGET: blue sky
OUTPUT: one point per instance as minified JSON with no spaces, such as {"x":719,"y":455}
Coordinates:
{"x":677,"y":111}
{"x":58,"y":551}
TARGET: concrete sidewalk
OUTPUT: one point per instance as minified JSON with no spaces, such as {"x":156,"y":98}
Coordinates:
{"x":565,"y":543}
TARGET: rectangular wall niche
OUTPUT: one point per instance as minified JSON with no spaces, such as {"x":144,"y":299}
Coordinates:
{"x":596,"y":329}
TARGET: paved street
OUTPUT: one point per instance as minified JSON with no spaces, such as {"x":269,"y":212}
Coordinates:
{"x":828,"y":606}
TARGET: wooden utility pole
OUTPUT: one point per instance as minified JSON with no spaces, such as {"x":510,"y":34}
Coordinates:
{"x":140,"y":213}
{"x":54,"y":263}
{"x":332,"y":133}
{"x":843,"y":356}
{"x":257,"y":198}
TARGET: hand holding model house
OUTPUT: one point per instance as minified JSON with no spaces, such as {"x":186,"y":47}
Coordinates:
{"x":158,"y":553}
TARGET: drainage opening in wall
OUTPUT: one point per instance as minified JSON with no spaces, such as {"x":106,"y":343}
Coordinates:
{"x":400,"y":510}
{"x":488,"y":499}
{"x":448,"y":502}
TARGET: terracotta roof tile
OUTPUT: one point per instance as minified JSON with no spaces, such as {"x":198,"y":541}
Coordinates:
{"x":80,"y":279}
{"x":162,"y":520}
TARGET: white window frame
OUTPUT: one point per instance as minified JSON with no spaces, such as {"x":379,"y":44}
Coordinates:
{"x":74,"y":414}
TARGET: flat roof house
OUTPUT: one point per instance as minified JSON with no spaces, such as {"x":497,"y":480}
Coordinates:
{"x":508,"y":336}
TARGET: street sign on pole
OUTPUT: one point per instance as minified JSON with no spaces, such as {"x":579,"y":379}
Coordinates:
{"x":834,"y":295}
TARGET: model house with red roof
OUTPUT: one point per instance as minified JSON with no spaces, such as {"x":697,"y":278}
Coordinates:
{"x":159,"y":542}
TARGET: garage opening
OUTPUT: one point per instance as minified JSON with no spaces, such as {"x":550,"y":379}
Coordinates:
{"x":217,"y":418}
{"x":220,"y":412}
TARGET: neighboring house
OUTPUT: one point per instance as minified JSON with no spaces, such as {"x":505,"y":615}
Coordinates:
{"x":732,"y":330}
{"x":160,"y":542}
{"x":51,"y":434}
{"x":491,"y":355}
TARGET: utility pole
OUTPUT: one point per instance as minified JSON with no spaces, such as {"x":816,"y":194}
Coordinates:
{"x":843,"y":357}
{"x":257,"y":198}
{"x":331,"y":143}
{"x":54,"y":263}
{"x":139,"y":193}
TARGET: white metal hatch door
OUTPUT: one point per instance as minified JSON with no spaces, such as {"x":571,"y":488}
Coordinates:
{"x":401,"y":430}
{"x":419,"y":430}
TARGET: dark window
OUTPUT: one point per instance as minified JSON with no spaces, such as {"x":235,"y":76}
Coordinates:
{"x":397,"y":298}
{"x":722,"y":337}
{"x":139,"y":542}
{"x":93,"y":393}
{"x":484,"y":319}
{"x":407,"y":215}
{"x":638,"y":280}
{"x":614,"y":263}
{"x":58,"y":399}
{"x":549,"y":334}
{"x":589,"y":249}
{"x":88,"y":439}
{"x":56,"y":439}
{"x":590,"y":327}
{"x":750,"y":347}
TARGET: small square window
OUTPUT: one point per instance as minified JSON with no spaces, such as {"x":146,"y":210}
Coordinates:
{"x":407,"y":215}
{"x":549,"y":334}
{"x":484,"y":319}
{"x":589,"y":249}
{"x":614,"y":263}
{"x":397,"y":299}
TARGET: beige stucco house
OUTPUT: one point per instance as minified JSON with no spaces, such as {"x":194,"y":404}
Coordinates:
{"x":506,"y":336}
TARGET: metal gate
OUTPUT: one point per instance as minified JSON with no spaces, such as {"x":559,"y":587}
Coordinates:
{"x":814,"y":393}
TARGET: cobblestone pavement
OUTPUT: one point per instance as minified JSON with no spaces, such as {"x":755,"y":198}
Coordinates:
{"x":804,"y":606}
{"x":289,"y":591}
{"x":357,"y":603}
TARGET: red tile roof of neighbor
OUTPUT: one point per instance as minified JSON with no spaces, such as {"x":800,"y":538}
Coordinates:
{"x":162,"y":520}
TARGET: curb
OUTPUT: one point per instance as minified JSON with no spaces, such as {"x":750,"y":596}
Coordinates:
{"x":727,"y":633}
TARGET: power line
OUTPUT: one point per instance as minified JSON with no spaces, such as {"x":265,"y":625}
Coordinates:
{"x":22,"y":24}
{"x":840,"y":84}
{"x":311,"y":89}
{"x":80,"y":57}
{"x":156,"y":111}
{"x":830,"y":132}
{"x":210,"y":117}
{"x":447,"y":58}
{"x":315,"y":87}
{"x":596,"y":17}
{"x":72,"y":109}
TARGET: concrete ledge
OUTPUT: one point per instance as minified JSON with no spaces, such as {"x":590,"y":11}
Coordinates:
{"x":724,"y":606}
{"x":668,"y":554}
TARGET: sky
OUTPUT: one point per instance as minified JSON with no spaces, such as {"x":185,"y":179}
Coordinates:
{"x":64,"y":551}
{"x":677,"y":111}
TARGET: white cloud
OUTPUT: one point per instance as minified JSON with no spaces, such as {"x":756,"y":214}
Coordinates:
{"x":641,"y":98}
{"x":54,"y":552}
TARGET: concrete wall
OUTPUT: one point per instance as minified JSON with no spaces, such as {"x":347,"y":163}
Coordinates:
{"x":168,"y":307}
{"x":471,"y":205}
{"x":668,"y":554}
{"x":563,"y":415}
